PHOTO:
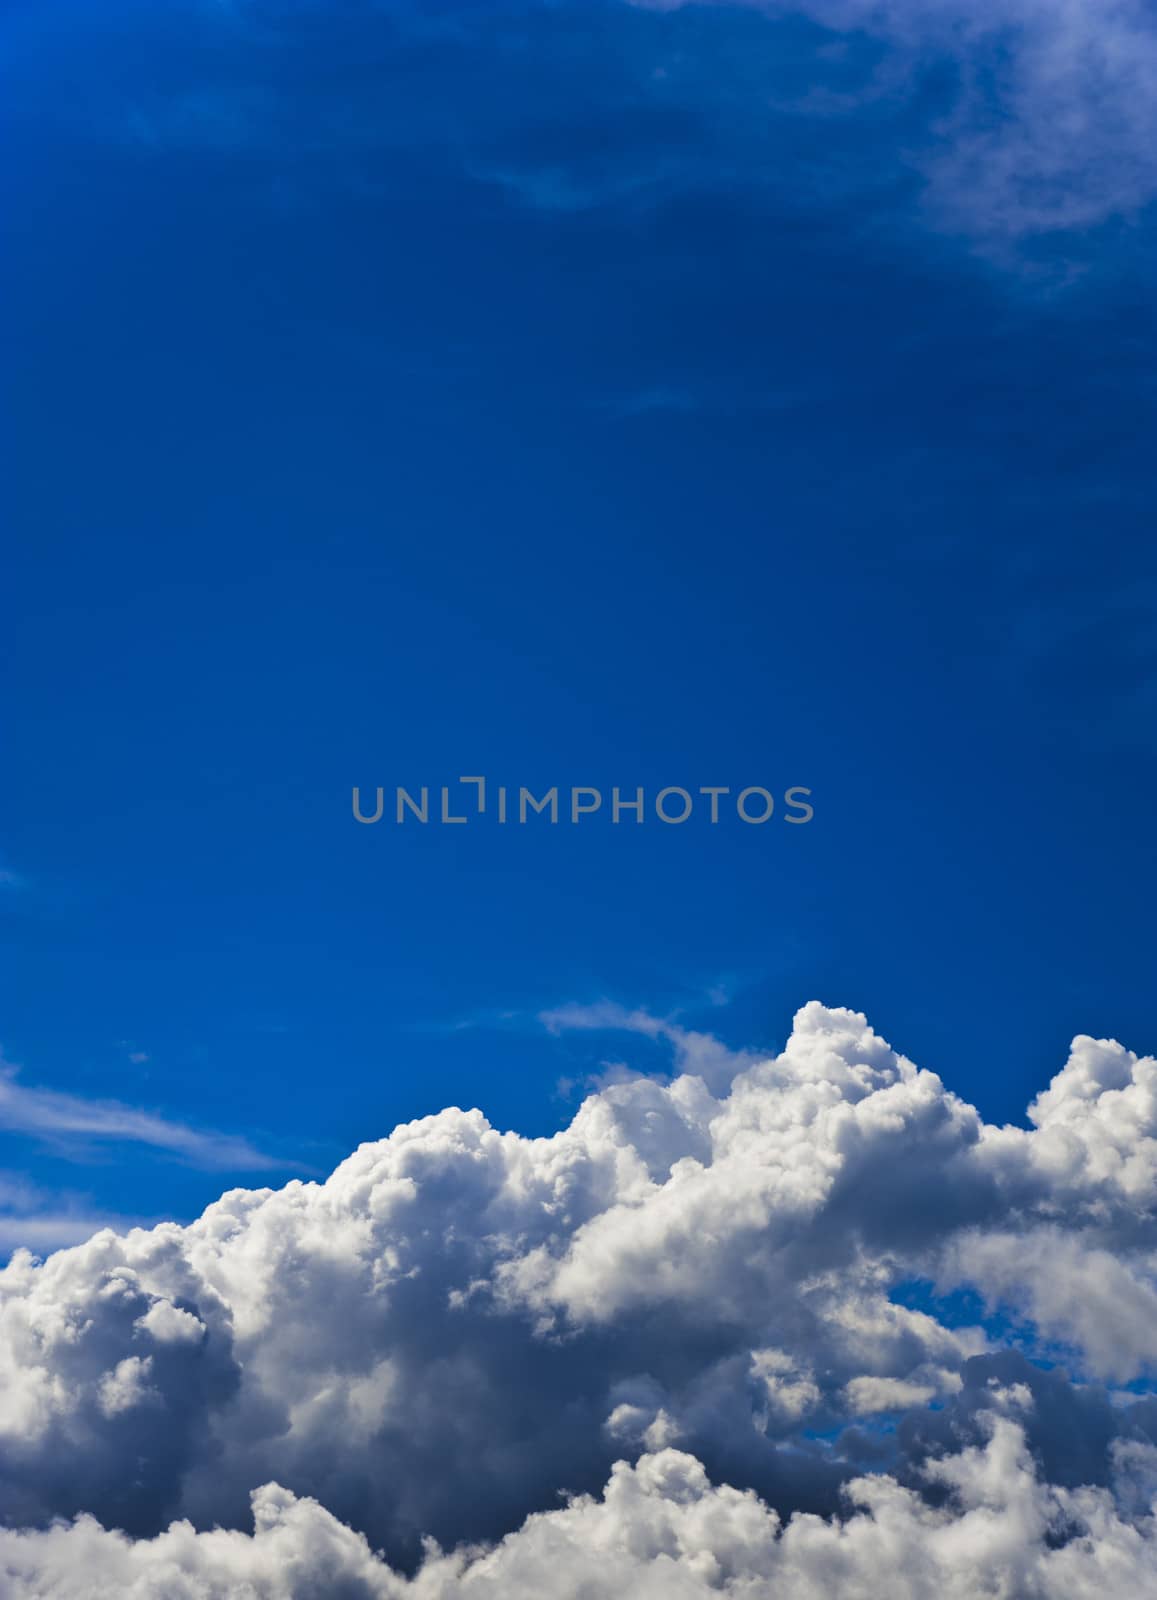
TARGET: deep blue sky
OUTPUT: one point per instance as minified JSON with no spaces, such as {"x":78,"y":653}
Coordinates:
{"x":392,"y":394}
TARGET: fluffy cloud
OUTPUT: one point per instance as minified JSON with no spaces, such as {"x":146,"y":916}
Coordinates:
{"x":826,"y":1278}
{"x":660,"y":1531}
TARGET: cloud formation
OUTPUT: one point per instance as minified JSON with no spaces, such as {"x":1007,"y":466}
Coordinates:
{"x":696,"y":1054}
{"x":1051,"y":120}
{"x":660,"y":1531}
{"x":804,"y":1327}
{"x":36,"y":1220}
{"x":1022,"y":124}
{"x":68,"y":1119}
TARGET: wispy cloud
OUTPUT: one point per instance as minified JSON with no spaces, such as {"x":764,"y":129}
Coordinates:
{"x":1017,"y":126}
{"x":1047,"y":118}
{"x":502,"y":1020}
{"x":71,"y":1120}
{"x":33,"y":1220}
{"x":41,"y":1232}
{"x":699,"y":1054}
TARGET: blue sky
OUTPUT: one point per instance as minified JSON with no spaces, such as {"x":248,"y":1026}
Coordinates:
{"x":595,"y":395}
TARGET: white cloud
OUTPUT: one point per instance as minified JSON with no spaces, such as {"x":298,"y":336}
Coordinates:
{"x":169,"y":1325}
{"x":32,"y":1219}
{"x":1024,"y":122}
{"x":1114,"y":1317}
{"x":659,"y":1531}
{"x":694,"y":1052}
{"x":70,"y":1119}
{"x":460,"y":1324}
{"x":51,"y":1230}
{"x":1053,"y":122}
{"x":791,"y":1389}
{"x":126,"y":1386}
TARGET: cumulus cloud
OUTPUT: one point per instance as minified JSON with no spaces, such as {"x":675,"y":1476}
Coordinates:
{"x":660,"y":1531}
{"x":813,"y":1323}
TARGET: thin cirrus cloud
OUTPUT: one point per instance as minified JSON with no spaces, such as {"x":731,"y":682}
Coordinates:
{"x":699,"y":1342}
{"x":31,"y":1219}
{"x":1050,"y":121}
{"x":692,"y":1051}
{"x":72,"y":1122}
{"x":1007,"y":124}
